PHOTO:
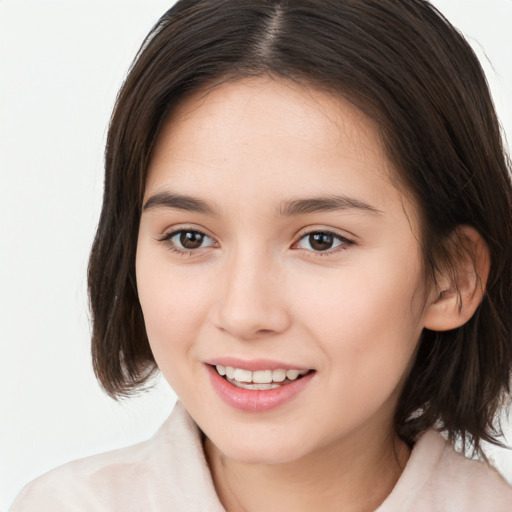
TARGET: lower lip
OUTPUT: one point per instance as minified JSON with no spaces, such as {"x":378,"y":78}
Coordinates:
{"x":252,"y":400}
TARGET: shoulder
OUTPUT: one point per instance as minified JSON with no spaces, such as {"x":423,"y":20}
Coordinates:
{"x":471,"y":484}
{"x":89,"y":483}
{"x":441,"y":479}
{"x":162,"y":472}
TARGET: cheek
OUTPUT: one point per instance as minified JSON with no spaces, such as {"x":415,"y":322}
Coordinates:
{"x":366,"y":318}
{"x":368,"y":335}
{"x":173,"y":308}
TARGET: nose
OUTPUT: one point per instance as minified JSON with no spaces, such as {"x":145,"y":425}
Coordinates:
{"x":253,"y":298}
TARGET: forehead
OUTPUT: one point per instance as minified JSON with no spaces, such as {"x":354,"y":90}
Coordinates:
{"x":297,"y":139}
{"x":272,"y":107}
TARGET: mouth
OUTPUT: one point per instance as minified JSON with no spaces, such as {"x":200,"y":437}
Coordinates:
{"x":259,"y":380}
{"x":260,"y":385}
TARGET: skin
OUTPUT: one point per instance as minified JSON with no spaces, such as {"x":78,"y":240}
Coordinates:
{"x":256,"y":288}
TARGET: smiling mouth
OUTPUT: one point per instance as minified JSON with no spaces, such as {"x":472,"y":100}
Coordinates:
{"x":259,"y":380}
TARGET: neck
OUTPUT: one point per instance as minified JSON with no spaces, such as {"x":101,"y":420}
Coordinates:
{"x":355,"y":475}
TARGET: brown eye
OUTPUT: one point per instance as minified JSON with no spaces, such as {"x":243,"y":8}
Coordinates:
{"x":191,"y":239}
{"x":187,"y":240}
{"x":322,"y":241}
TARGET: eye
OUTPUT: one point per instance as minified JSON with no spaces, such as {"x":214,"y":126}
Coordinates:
{"x":322,"y":241}
{"x":188,"y":240}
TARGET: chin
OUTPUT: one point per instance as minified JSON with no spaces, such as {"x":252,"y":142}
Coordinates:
{"x":260,"y":451}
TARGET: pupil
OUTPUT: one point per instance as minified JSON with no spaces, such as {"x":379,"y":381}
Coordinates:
{"x":321,"y":241}
{"x":191,"y":239}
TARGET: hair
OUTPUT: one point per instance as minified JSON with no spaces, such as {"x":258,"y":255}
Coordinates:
{"x":403,"y":65}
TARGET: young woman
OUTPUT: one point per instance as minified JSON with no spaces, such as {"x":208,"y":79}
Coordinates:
{"x":307,"y":228}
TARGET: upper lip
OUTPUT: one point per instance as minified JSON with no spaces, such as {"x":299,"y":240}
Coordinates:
{"x":254,"y":364}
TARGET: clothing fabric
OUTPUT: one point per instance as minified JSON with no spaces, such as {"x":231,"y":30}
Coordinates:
{"x":169,"y":473}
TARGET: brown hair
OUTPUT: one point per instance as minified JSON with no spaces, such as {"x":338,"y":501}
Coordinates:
{"x":404,"y":66}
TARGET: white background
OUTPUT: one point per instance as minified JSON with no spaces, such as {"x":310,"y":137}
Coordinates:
{"x":61,"y":64}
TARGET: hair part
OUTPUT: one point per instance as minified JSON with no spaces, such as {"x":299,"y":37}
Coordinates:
{"x":404,"y":66}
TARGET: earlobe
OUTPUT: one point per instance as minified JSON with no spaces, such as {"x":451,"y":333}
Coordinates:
{"x":460,"y":290}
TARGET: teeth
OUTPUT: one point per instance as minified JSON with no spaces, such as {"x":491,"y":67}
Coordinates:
{"x":242,"y":375}
{"x":278,"y":375}
{"x":292,"y":374}
{"x":260,"y":379}
{"x":259,"y":387}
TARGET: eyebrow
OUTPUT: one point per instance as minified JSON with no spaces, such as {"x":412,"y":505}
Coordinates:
{"x":324,"y":204}
{"x":178,"y":202}
{"x":287,"y":208}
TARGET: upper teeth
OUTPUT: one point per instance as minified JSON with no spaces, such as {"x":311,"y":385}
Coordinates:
{"x":259,"y":376}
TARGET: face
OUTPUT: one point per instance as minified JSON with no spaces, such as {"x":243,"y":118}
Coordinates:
{"x":274,"y":247}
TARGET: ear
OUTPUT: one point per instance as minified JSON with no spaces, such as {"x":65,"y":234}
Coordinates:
{"x":460,"y":291}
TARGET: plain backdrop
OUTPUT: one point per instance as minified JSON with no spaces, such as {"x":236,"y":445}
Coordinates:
{"x":61,"y":64}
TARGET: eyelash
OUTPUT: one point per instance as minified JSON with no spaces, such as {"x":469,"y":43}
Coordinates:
{"x":166,"y":239}
{"x":344,"y":242}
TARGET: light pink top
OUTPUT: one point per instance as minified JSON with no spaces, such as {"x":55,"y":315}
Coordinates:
{"x":168,"y":473}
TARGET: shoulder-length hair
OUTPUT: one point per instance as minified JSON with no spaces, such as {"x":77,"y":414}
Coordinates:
{"x":405,"y":67}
